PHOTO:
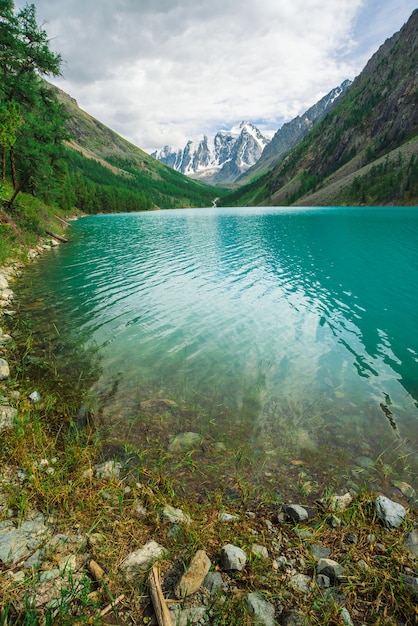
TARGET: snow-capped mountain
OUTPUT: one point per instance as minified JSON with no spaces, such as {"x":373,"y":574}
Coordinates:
{"x":220,"y":159}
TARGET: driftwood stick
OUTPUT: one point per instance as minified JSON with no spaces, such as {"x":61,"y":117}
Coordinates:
{"x":160,"y":607}
{"x":55,"y":236}
{"x":110,"y":606}
{"x":62,"y":221}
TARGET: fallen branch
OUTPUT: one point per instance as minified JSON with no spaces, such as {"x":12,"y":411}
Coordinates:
{"x":57,"y":237}
{"x":62,"y":221}
{"x":110,"y":606}
{"x":160,"y":607}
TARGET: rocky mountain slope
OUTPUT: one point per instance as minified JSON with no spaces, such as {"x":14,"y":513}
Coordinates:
{"x":220,"y":159}
{"x":365,"y":151}
{"x":292,"y":133}
{"x":93,"y":144}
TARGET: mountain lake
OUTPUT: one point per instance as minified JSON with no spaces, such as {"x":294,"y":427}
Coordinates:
{"x":286,"y":339}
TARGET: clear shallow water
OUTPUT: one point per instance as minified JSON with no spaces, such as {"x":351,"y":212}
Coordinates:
{"x":291,"y":330}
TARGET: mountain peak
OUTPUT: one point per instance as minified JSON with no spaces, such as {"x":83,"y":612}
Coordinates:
{"x":219,"y":159}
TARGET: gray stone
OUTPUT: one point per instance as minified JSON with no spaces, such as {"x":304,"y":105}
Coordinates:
{"x":339,"y":503}
{"x":35,"y":560}
{"x":411,"y":584}
{"x":181,"y":616}
{"x":4,"y":339}
{"x":35,"y":397}
{"x":260,"y":551}
{"x":175,"y":516}
{"x":295,"y":618}
{"x":301,"y":582}
{"x":227,"y":517}
{"x":194,"y":576}
{"x":140,"y":560}
{"x":18,"y":543}
{"x":7,"y":417}
{"x":296,"y":512}
{"x":4,"y":284}
{"x":330,"y":568}
{"x":139,"y":510}
{"x":391,"y":513}
{"x":319,"y":552}
{"x":4,"y":370}
{"x":183,"y":441}
{"x":410,"y":541}
{"x":262,"y":610}
{"x":323,"y":581}
{"x":108,"y":470}
{"x":213,"y":582}
{"x":346,"y":617}
{"x":233,"y":558}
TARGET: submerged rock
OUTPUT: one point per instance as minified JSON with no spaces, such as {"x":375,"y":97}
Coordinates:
{"x":183,"y":441}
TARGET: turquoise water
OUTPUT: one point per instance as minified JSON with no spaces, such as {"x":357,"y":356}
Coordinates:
{"x":293,"y":329}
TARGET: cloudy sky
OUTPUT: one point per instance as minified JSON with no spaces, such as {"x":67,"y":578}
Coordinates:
{"x":163,"y":71}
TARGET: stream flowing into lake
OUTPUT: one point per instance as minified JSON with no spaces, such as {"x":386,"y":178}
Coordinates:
{"x":292,"y":333}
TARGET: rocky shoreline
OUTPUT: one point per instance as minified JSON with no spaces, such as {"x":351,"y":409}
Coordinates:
{"x":350,"y":559}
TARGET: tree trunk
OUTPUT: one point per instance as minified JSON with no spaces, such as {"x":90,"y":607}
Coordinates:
{"x":13,"y":169}
{"x":3,"y":164}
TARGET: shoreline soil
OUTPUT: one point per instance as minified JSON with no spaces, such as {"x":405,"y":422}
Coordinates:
{"x":82,"y":526}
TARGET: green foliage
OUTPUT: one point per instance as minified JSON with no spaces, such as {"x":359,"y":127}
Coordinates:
{"x":389,"y":181}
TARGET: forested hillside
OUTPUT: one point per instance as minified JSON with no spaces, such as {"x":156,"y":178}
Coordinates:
{"x":61,"y":155}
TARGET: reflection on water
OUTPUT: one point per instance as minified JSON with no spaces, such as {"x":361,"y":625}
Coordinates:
{"x":294,"y":330}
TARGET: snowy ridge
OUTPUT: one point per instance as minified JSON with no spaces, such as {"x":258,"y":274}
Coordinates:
{"x":217,"y":159}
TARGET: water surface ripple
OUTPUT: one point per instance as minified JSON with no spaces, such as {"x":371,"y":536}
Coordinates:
{"x":300,"y":322}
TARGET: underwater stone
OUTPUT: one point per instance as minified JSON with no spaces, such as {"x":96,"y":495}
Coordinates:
{"x":183,"y":441}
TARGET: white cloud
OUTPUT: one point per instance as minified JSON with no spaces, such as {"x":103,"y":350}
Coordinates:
{"x":163,"y":71}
